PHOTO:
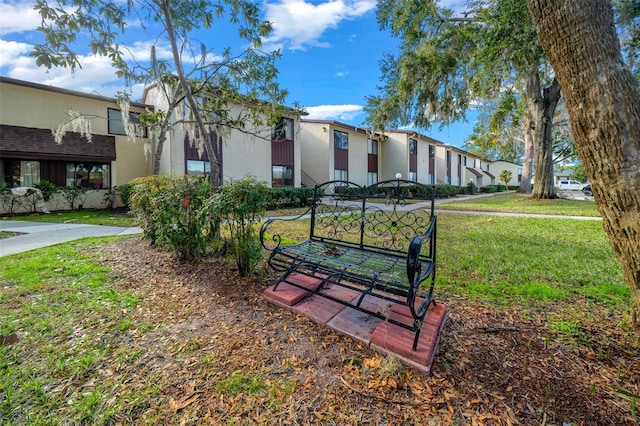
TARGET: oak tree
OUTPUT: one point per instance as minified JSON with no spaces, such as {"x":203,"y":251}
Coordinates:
{"x":450,"y":62}
{"x":603,"y":100}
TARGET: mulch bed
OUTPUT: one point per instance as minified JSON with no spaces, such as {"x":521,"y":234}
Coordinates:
{"x":493,"y":367}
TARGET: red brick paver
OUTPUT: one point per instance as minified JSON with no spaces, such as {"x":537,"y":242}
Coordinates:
{"x":380,"y":335}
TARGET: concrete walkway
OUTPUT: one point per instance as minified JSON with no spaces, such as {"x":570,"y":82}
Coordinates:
{"x":36,"y":235}
{"x":40,"y":234}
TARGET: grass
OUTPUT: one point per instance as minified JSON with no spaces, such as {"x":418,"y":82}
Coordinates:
{"x":61,"y":302}
{"x":89,"y":217}
{"x":506,"y":260}
{"x":112,"y":217}
{"x":516,"y":203}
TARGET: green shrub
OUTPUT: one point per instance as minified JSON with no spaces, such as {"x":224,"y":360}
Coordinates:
{"x":75,"y":196}
{"x":471,"y":188}
{"x":124,"y":192}
{"x":489,"y":189}
{"x":10,"y":203}
{"x":241,"y":204}
{"x":289,"y":197}
{"x":47,"y":188}
{"x":142,"y":204}
{"x":172,"y":213}
{"x":445,"y":191}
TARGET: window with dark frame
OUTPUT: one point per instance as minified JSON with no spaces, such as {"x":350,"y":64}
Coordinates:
{"x":372,"y":147}
{"x":340,"y":140}
{"x":281,"y":176}
{"x":413,"y":147}
{"x":283,"y":130}
{"x":283,"y":153}
{"x":115,"y":126}
{"x":198,"y":167}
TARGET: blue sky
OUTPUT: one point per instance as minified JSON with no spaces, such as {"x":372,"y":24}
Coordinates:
{"x":330,"y":55}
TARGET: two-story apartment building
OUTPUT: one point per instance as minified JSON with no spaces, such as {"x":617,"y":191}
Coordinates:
{"x":496,"y":168}
{"x":458,"y":167}
{"x":411,"y":154}
{"x":29,"y":153}
{"x":270,"y":153}
{"x":333,"y":150}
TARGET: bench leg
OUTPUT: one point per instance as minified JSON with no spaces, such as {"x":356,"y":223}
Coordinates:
{"x":417,"y":335}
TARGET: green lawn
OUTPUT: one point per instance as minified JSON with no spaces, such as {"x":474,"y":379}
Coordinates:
{"x":62,"y":303}
{"x":89,"y":217}
{"x":516,"y":203}
{"x":510,"y":260}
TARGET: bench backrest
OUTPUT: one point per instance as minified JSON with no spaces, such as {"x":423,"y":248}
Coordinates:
{"x":381,"y":217}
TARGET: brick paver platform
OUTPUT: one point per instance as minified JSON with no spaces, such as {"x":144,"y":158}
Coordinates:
{"x":380,"y":335}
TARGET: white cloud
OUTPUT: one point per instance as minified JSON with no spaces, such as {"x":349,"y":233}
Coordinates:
{"x":12,"y":52}
{"x":298,"y":24}
{"x":18,"y":17}
{"x":334,"y":112}
{"x":96,"y":76}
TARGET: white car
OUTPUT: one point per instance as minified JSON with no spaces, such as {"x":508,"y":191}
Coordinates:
{"x":570,"y":185}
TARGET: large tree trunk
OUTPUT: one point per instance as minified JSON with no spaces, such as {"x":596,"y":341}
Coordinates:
{"x":527,"y":160}
{"x":542,"y":105}
{"x":603,"y":101}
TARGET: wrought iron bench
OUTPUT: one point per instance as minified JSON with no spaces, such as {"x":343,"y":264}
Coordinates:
{"x":378,"y":240}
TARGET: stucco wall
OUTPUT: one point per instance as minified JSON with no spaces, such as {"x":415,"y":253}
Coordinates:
{"x":316,"y":158}
{"x":43,"y":109}
{"x":395,"y":154}
{"x":496,"y":167}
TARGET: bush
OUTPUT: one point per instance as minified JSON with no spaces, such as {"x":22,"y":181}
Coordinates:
{"x":143,"y":206}
{"x":47,"y":188}
{"x":492,"y":188}
{"x":445,"y":191}
{"x":124,"y":192}
{"x":172,"y":213}
{"x":74,"y":196}
{"x":471,"y":188}
{"x":289,"y":197}
{"x":10,"y":203}
{"x":241,"y":204}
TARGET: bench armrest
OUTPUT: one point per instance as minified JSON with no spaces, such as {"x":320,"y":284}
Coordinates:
{"x":277,"y":238}
{"x":415,"y":274}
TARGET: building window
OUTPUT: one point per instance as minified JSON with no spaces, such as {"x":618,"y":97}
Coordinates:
{"x":413,"y":176}
{"x":340,"y":174}
{"x":413,"y":147}
{"x":282,"y":153}
{"x":88,"y":175}
{"x":283,"y":130}
{"x":282,"y":176}
{"x":372,"y":178}
{"x":198,"y":167}
{"x":19,"y":173}
{"x":340,"y":140}
{"x":432,"y":178}
{"x":372,"y":147}
{"x":115,"y":124}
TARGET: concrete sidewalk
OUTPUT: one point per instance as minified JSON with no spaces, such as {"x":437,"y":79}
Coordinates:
{"x":40,"y":234}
